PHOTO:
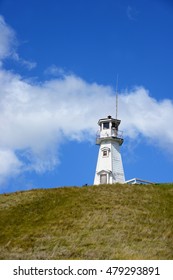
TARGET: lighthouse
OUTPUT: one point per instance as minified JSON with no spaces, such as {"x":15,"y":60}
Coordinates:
{"x":109,"y":169}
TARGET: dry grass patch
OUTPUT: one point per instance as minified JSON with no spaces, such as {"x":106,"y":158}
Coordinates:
{"x":103,"y":222}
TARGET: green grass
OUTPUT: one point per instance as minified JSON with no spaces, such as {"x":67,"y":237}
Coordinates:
{"x":94,"y":222}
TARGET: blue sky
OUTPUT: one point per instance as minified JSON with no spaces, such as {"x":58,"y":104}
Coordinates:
{"x":58,"y":65}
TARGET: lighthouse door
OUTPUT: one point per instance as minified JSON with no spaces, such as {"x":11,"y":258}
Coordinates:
{"x":103,"y":179}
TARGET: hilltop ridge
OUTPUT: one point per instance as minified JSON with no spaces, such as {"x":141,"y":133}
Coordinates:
{"x":92,"y":222}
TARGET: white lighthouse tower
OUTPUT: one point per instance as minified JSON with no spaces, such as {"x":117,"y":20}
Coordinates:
{"x":109,"y":168}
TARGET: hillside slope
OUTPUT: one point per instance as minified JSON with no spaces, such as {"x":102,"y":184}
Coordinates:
{"x":103,"y":222}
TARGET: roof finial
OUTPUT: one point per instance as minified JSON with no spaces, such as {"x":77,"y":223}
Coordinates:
{"x":116,"y":116}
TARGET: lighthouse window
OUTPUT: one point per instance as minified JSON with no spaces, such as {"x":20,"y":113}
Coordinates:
{"x":105,"y":153}
{"x":106,"y":125}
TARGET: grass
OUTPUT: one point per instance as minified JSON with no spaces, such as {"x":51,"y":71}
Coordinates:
{"x":94,"y":222}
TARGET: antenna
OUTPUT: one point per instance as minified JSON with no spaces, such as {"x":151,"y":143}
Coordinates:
{"x":116,"y":116}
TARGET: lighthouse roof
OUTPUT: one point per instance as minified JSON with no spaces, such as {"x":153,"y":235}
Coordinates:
{"x":108,"y":119}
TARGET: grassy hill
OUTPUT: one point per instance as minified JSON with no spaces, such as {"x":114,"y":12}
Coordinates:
{"x":103,"y":222}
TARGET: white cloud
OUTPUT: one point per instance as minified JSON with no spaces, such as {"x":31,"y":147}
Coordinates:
{"x":53,"y":70}
{"x":36,"y":118}
{"x":9,"y":165}
{"x":28,"y":64}
{"x":132,"y":13}
{"x":8,"y":46}
{"x":7,"y":39}
{"x":144,"y":115}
